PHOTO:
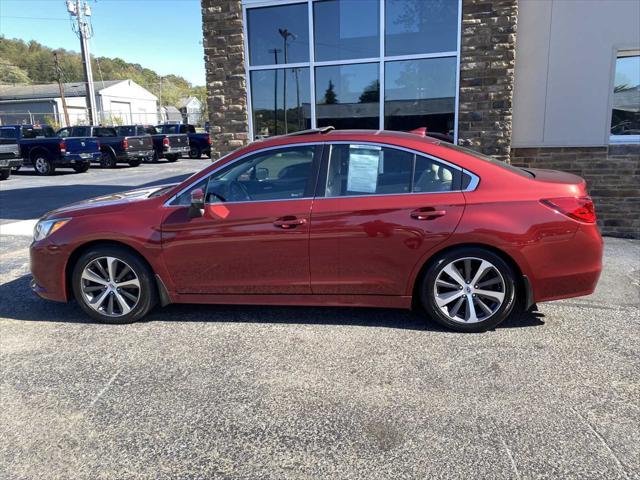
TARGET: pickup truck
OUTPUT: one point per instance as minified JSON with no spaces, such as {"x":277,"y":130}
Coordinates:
{"x":199,"y":143}
{"x":41,"y":148}
{"x":164,"y":144}
{"x":114,"y":148}
{"x":9,"y":152}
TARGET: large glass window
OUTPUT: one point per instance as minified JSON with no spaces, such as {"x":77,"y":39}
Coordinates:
{"x":406,"y":48}
{"x":346,"y":29}
{"x":278,"y":34}
{"x":348,"y":96}
{"x":421,"y":93}
{"x":280,"y":100}
{"x":421,"y":26}
{"x":625,"y":114}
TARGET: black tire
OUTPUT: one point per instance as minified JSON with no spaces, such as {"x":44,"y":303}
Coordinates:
{"x":171,"y":158}
{"x":108,"y":160}
{"x":427,"y":290}
{"x":135,"y":163}
{"x":148,"y":295}
{"x":42,"y":164}
{"x":83,"y":167}
{"x":5,"y":173}
{"x":194,"y":152}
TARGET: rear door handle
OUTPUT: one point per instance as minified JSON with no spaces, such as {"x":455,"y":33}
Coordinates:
{"x":287,"y":223}
{"x":427,"y":213}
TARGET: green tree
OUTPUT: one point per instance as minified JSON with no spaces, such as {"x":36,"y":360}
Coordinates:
{"x":330,"y":97}
{"x":371,"y":93}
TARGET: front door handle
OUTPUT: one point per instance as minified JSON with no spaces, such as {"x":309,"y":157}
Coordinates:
{"x":427,"y":213}
{"x":287,"y":223}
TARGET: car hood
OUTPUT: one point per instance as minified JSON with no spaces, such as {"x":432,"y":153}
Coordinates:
{"x":109,"y":203}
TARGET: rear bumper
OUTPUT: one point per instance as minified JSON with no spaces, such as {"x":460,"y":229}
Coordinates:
{"x":172,"y":150}
{"x":571,"y":269}
{"x":71,"y":159}
{"x":10,"y":162}
{"x":135,"y":155}
{"x":47,"y":264}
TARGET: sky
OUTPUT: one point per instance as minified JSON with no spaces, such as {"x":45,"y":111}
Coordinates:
{"x":163,"y":35}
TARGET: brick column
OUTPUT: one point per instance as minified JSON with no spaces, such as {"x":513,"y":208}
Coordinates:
{"x":487,"y":61}
{"x":226,"y":84}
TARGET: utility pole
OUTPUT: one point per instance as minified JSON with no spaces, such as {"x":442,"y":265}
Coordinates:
{"x":61,"y":88}
{"x":82,"y":27}
{"x":285,"y":34}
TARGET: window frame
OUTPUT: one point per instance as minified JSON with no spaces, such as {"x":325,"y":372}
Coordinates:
{"x":320,"y":167}
{"x":619,"y":52}
{"x":312,"y":183}
{"x":382,"y":59}
{"x":321,"y":188}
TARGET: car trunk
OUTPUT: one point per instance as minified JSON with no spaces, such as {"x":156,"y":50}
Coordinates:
{"x":139,"y":143}
{"x":81,"y":145}
{"x":560,"y":178}
{"x":177,"y":140}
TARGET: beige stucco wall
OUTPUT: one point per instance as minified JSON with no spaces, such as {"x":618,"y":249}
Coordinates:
{"x":565,"y":58}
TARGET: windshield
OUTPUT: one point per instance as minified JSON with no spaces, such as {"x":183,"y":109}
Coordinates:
{"x":517,"y":170}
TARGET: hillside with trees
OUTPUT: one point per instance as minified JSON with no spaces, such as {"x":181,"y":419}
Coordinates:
{"x":32,"y":63}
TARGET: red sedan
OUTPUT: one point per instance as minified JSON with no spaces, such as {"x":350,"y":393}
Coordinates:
{"x":357,"y":218}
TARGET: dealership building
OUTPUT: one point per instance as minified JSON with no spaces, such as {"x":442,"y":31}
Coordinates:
{"x":539,"y":83}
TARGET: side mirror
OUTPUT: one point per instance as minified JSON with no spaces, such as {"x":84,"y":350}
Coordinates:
{"x":197,"y":203}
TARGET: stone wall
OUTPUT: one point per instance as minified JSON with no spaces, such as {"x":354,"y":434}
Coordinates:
{"x":487,"y":61}
{"x":226,"y":85}
{"x":613,"y":179}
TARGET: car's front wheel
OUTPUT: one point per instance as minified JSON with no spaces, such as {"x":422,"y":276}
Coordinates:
{"x":113,"y":285}
{"x":42,"y":165}
{"x":468,"y":290}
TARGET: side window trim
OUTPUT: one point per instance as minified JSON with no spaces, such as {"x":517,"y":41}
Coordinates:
{"x":324,"y":171}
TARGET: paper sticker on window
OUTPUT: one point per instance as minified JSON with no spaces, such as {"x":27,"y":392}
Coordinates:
{"x":364,"y":162}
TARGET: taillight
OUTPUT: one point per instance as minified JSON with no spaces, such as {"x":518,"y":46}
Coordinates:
{"x":165,"y":142}
{"x":125,"y":144}
{"x":578,"y":208}
{"x":63,"y":147}
{"x":208,"y":137}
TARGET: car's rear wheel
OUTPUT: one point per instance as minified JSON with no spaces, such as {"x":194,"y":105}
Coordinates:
{"x":42,"y":165}
{"x":113,"y":285}
{"x":5,"y":173}
{"x":194,"y":152}
{"x":108,"y":160}
{"x":81,"y":168}
{"x":468,"y":290}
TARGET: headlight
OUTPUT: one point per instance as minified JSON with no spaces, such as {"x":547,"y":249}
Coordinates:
{"x":44,"y":228}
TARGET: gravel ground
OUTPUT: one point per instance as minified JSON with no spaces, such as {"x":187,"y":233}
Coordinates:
{"x":278,"y":393}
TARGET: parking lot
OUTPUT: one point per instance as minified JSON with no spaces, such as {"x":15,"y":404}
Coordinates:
{"x":274,"y":392}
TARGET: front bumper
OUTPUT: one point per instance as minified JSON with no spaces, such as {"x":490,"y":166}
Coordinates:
{"x":47,"y":263}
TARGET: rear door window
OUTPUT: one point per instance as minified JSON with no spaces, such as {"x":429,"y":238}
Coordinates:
{"x":357,"y":170}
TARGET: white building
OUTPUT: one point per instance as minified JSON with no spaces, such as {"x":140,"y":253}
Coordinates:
{"x":118,"y":101}
{"x":191,"y":110}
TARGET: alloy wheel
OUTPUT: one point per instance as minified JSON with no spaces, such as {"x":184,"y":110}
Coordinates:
{"x":110,"y":286}
{"x":41,"y":165}
{"x":469,"y":290}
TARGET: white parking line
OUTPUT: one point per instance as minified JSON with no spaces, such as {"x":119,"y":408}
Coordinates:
{"x":23,"y":228}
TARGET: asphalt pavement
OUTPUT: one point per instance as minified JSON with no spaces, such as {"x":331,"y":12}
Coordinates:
{"x":236,"y":392}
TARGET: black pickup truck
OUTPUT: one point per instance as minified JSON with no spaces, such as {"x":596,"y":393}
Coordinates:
{"x":114,"y":148}
{"x":9,"y":152}
{"x":41,"y":148}
{"x":167,"y":145}
{"x":199,"y":143}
